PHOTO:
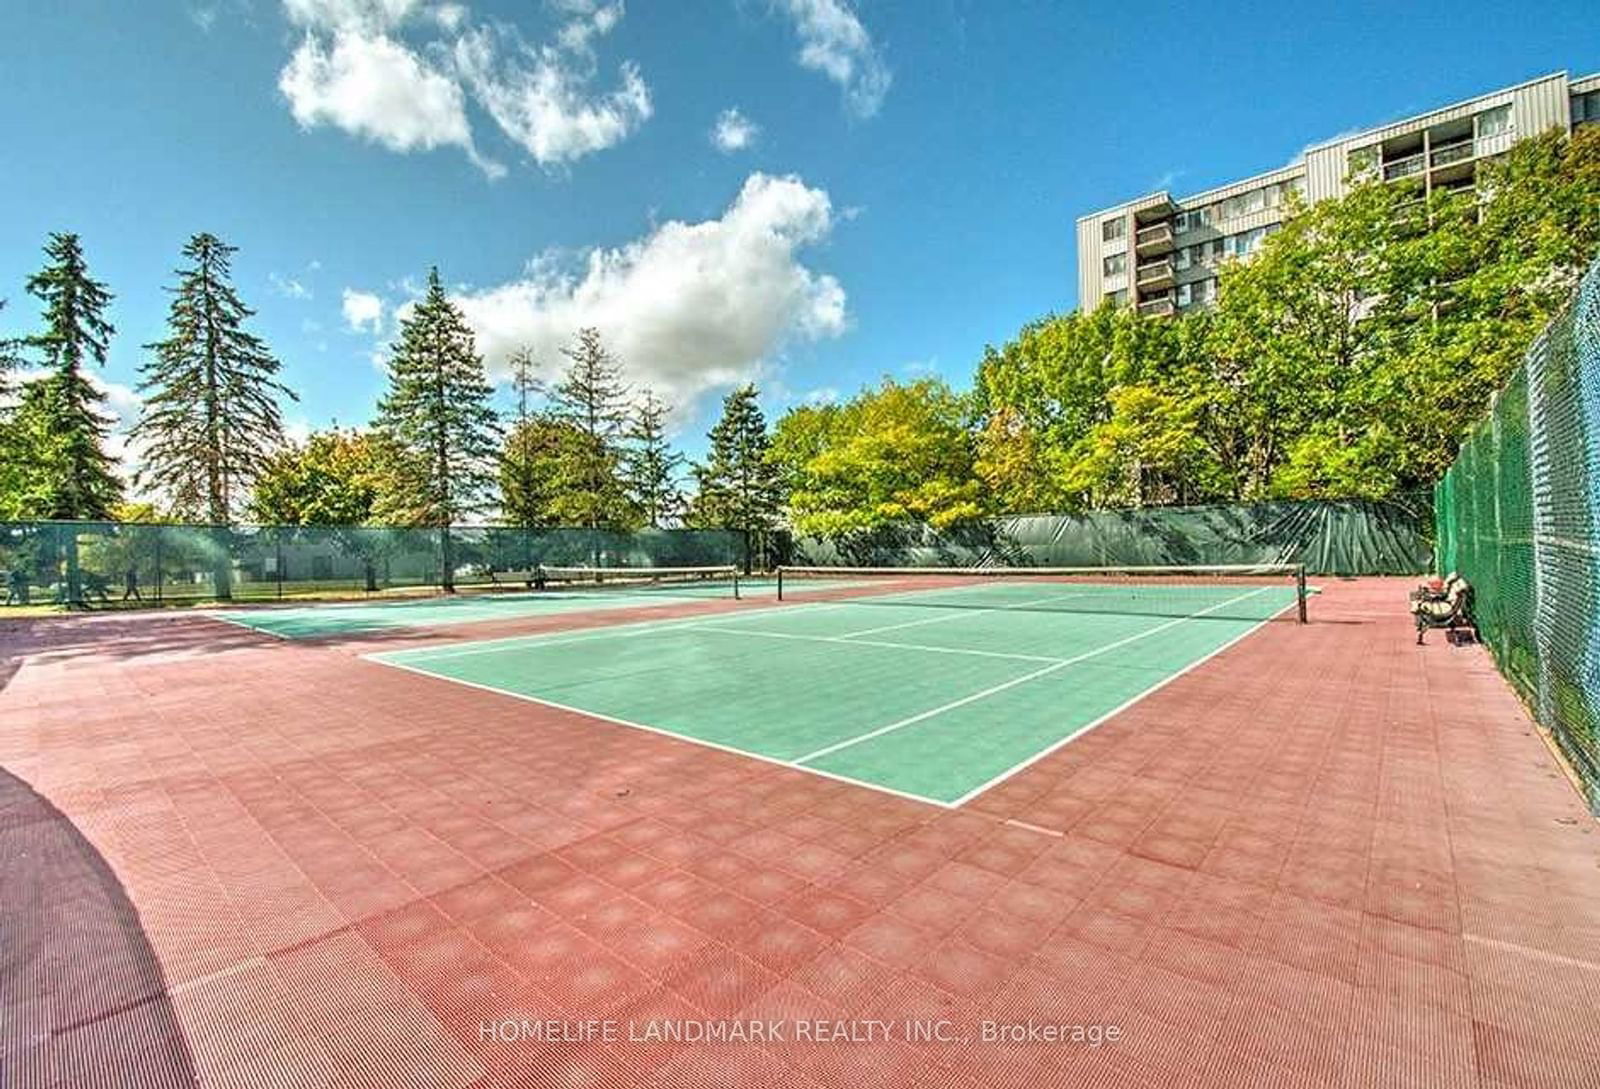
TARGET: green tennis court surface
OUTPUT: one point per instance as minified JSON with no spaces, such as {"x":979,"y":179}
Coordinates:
{"x":934,"y":693}
{"x":345,"y":618}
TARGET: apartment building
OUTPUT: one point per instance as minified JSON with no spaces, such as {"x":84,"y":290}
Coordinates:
{"x":1161,"y":253}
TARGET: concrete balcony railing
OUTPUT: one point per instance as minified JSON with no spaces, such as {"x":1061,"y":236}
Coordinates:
{"x":1162,"y":307}
{"x":1154,"y":241}
{"x":1153,"y":275}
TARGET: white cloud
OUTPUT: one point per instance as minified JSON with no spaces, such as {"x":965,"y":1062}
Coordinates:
{"x":349,"y":14}
{"x":689,"y":307}
{"x":733,"y":131}
{"x":297,"y":429}
{"x":373,"y":86}
{"x":363,"y":311}
{"x":543,"y":96}
{"x":593,"y":20}
{"x":288,"y":286}
{"x":354,"y":70}
{"x":449,"y":17}
{"x":833,"y":42}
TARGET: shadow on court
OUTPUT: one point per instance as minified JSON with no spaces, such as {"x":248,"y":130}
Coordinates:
{"x":82,"y":998}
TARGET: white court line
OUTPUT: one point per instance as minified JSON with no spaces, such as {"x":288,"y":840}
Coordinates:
{"x":610,"y":631}
{"x":790,"y":764}
{"x":987,"y":692}
{"x":958,"y":616}
{"x":1117,"y":710}
{"x":245,"y":626}
{"x":880,"y":643}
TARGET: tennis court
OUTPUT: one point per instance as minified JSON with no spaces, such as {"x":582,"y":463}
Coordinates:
{"x":930,"y":686}
{"x":565,"y":596}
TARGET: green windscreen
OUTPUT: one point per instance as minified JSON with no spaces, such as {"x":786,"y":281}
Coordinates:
{"x":1517,"y":515}
{"x":91,"y":563}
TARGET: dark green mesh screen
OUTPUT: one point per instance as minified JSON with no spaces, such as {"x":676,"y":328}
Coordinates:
{"x":1517,"y":514}
{"x":94,"y":563}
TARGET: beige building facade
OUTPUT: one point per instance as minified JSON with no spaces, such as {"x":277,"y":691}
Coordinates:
{"x":1161,"y":254}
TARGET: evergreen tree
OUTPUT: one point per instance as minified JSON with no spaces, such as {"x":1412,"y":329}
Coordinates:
{"x":15,"y":470}
{"x":650,"y":465}
{"x":211,"y":415}
{"x":592,"y":399}
{"x":522,"y":491}
{"x":740,"y":484}
{"x":74,"y":474}
{"x":438,"y":412}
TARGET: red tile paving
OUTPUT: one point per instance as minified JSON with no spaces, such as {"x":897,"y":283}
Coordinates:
{"x":1327,"y":858}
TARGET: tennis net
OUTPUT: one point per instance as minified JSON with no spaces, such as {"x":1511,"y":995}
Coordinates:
{"x":716,"y":581}
{"x":1247,"y":592}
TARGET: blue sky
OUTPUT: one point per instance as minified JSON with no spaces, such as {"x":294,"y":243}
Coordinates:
{"x":906,"y":194}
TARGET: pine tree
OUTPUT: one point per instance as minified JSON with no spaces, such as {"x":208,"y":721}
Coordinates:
{"x":650,"y":465}
{"x":438,"y":411}
{"x":211,"y":415}
{"x":592,"y":398}
{"x":740,"y":484}
{"x":75,"y":475}
{"x":15,"y":470}
{"x":523,"y":497}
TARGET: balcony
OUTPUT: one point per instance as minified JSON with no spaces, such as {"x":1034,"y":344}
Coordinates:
{"x":1161,"y":307}
{"x":1404,"y":168}
{"x":1155,"y":275}
{"x":1154,"y":241}
{"x":1453,"y":153}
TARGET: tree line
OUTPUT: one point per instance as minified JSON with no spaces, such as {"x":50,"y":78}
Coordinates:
{"x":1344,"y":359}
{"x":585,"y":451}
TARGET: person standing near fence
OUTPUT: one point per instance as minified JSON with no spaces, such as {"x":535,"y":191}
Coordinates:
{"x":130,"y":585}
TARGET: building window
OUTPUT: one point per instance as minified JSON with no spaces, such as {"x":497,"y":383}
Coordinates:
{"x":1244,"y":204}
{"x":1113,"y":229}
{"x":1245,"y":243}
{"x":1586,"y":108}
{"x":1196,"y":293}
{"x":1495,"y":122}
{"x":1118,"y":297}
{"x":1116,"y":265}
{"x":1193,"y":219}
{"x":1185,"y":257}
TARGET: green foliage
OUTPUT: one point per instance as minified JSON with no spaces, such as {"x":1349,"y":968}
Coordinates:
{"x":211,"y":414}
{"x":894,"y":454}
{"x":1343,"y":360}
{"x":437,"y":414}
{"x":591,"y":400}
{"x":334,"y":478}
{"x":740,"y":485}
{"x":522,"y":482}
{"x":61,"y":430}
{"x":1018,"y":468}
{"x":650,"y":465}
{"x":1142,"y":455}
{"x":542,"y":478}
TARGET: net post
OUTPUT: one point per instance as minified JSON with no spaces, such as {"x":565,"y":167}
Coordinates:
{"x":736,"y":584}
{"x":1300,"y":590}
{"x":780,"y":582}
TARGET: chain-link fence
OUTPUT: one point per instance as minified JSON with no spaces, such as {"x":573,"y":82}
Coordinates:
{"x":93,"y":563}
{"x":1517,"y":515}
